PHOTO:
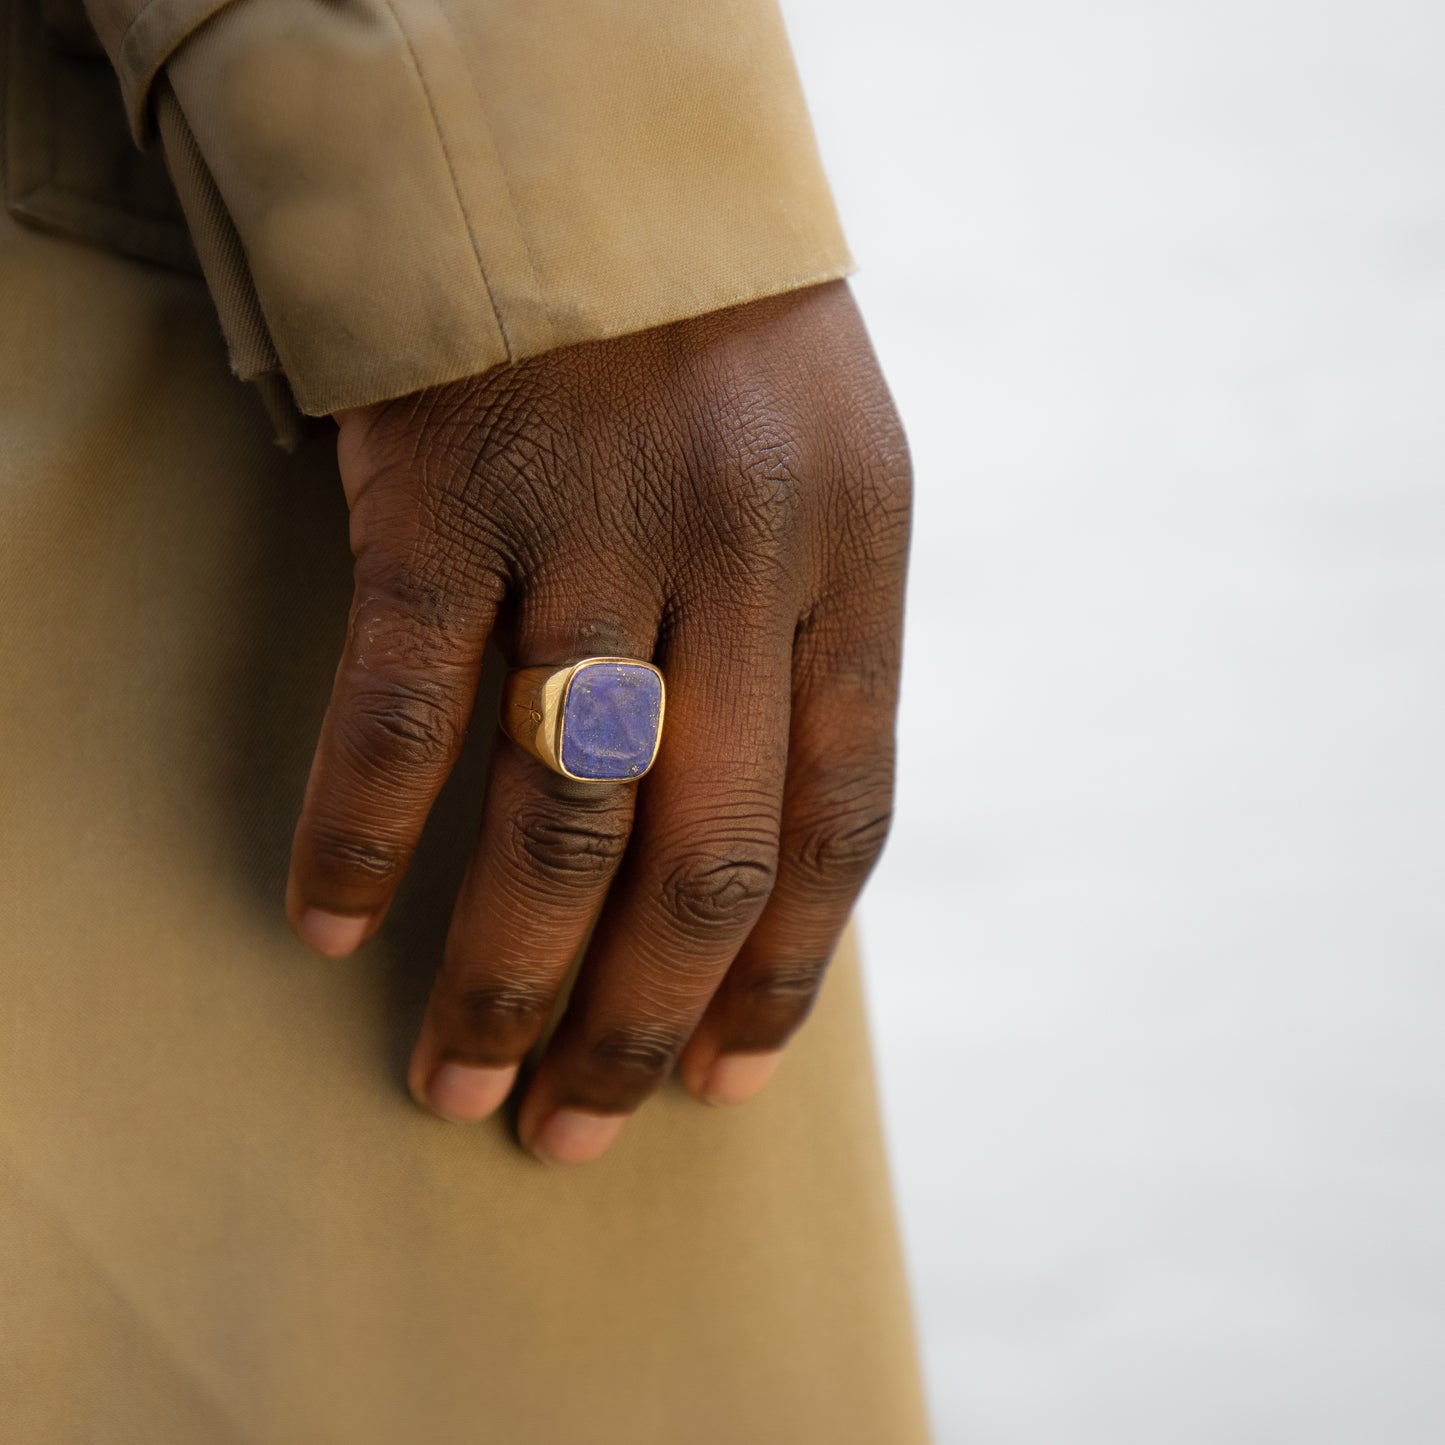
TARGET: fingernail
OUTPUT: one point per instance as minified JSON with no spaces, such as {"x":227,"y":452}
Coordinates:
{"x":333,"y":934}
{"x":571,"y":1136}
{"x":735,"y":1078}
{"x":465,"y":1093}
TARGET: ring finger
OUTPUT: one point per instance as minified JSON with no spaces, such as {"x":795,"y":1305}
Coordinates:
{"x":546,"y":852}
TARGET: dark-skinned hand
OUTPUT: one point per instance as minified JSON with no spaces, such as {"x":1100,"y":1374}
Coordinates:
{"x":727,"y":496}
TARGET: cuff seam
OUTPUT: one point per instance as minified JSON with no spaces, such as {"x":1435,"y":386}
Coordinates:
{"x":431,"y":106}
{"x":155,"y":32}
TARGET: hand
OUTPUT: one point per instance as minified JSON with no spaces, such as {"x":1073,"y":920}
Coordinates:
{"x":727,"y":496}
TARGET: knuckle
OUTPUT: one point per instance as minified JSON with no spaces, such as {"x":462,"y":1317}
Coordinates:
{"x":892,"y":459}
{"x":889,"y":497}
{"x":842,"y":836}
{"x":872,"y":527}
{"x":509,"y":448}
{"x":400,"y":727}
{"x":770,"y":1004}
{"x":764,"y":492}
{"x":338,"y":853}
{"x":723,"y":891}
{"x":843,"y":850}
{"x":643,"y":1053}
{"x":872,"y":431}
{"x":403,"y":615}
{"x":430,"y":539}
{"x":786,"y":986}
{"x":505,"y":1007}
{"x":749,"y":476}
{"x":568,"y":846}
{"x":873,"y":498}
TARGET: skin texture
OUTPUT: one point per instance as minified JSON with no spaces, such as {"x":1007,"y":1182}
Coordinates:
{"x":728,"y":497}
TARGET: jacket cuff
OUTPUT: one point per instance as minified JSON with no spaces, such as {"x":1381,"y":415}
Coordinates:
{"x":390,"y":194}
{"x":140,"y":36}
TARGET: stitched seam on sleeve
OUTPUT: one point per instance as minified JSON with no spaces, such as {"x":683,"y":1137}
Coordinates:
{"x":138,"y":59}
{"x":452,"y":173}
{"x":135,"y":20}
{"x":511,"y":195}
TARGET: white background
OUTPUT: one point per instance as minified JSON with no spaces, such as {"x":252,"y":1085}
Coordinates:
{"x":1156,"y":951}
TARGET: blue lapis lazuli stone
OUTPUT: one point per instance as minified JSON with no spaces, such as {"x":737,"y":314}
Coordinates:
{"x":610,"y":721}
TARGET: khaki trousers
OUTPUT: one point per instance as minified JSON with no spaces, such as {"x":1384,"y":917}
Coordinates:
{"x":222,"y":1221}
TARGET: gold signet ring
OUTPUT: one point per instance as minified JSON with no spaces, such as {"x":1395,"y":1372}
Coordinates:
{"x":595,"y":721}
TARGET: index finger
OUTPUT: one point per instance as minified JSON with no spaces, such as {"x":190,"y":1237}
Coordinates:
{"x":398,"y":714}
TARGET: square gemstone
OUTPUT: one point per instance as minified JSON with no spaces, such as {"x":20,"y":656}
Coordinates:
{"x":610,"y":720}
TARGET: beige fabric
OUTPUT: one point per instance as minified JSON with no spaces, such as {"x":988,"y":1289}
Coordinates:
{"x":222,"y":1222}
{"x":423,"y":189}
{"x":139,"y":36}
{"x":69,"y":164}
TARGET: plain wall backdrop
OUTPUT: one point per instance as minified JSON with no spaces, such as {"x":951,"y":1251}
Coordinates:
{"x":1156,"y":949}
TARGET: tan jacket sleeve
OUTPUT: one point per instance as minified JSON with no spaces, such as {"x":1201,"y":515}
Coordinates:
{"x":387,"y":194}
